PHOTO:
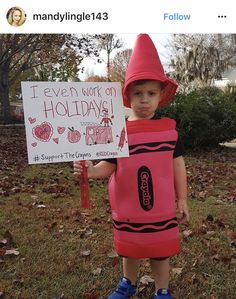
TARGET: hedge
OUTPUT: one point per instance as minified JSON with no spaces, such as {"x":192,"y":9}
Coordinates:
{"x":205,"y":117}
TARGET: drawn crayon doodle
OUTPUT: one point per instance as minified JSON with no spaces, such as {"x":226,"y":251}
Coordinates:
{"x":73,"y":135}
{"x":61,"y":130}
{"x":105,"y":120}
{"x":122,"y":139}
{"x":43,"y":132}
{"x":32,"y":120}
{"x":98,"y":135}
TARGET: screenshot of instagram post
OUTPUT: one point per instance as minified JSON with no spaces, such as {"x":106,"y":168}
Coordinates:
{"x":118,"y":149}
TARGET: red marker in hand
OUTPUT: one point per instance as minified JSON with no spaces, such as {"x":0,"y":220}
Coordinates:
{"x":84,"y":186}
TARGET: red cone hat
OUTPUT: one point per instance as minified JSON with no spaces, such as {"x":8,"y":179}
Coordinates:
{"x":145,"y":64}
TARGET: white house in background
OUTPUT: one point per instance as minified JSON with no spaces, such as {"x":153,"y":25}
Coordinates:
{"x":228,"y":78}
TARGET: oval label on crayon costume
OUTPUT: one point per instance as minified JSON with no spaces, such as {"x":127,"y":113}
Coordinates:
{"x":145,"y":188}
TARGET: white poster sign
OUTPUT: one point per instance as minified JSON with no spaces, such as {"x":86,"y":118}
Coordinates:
{"x":67,"y":121}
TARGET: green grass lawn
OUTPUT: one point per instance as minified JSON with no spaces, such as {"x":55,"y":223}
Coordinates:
{"x":66,"y":252}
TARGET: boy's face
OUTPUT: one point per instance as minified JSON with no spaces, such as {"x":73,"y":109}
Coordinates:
{"x":144,"y":98}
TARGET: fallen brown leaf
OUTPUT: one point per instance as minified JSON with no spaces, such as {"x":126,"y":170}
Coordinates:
{"x":112,"y":254}
{"x":177,"y":270}
{"x":12,"y":252}
{"x":9,"y":238}
{"x":85,"y":253}
{"x":146,"y":279}
{"x":97,"y":271}
{"x":187,"y":233}
{"x":3,"y":242}
{"x":215,"y":257}
{"x":50,"y":226}
{"x":2,"y":252}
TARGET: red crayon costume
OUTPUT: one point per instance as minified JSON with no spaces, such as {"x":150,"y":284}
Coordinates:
{"x":141,"y":191}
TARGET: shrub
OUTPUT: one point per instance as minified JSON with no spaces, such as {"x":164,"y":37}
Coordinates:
{"x":205,"y":117}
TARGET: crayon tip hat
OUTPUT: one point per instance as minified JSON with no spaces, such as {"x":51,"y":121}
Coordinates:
{"x":145,"y":64}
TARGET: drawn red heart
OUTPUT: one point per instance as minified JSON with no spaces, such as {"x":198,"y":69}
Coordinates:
{"x":43,"y":132}
{"x":56,"y":140}
{"x":32,"y":120}
{"x":34,"y":144}
{"x":60,"y":130}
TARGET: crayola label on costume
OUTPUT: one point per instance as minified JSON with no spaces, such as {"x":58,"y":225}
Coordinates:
{"x":145,"y":188}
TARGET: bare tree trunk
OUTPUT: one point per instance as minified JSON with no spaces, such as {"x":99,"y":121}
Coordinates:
{"x":108,"y":67}
{"x":233,"y":41}
{"x":4,"y":95}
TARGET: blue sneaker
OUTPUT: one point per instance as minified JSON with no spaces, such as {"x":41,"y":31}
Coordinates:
{"x":124,"y":290}
{"x":163,"y":294}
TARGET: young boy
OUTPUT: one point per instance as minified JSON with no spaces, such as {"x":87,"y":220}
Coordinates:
{"x":143,"y":187}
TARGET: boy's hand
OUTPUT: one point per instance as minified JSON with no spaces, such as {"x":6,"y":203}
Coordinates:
{"x":184,"y":212}
{"x":78,"y":168}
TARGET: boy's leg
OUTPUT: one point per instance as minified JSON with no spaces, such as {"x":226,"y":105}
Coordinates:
{"x":127,"y":285}
{"x":161,"y":273}
{"x":130,"y":269}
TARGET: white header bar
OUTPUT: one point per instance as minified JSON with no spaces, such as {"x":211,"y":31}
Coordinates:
{"x":106,"y":16}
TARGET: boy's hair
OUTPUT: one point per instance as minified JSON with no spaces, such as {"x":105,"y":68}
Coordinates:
{"x":143,"y":81}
